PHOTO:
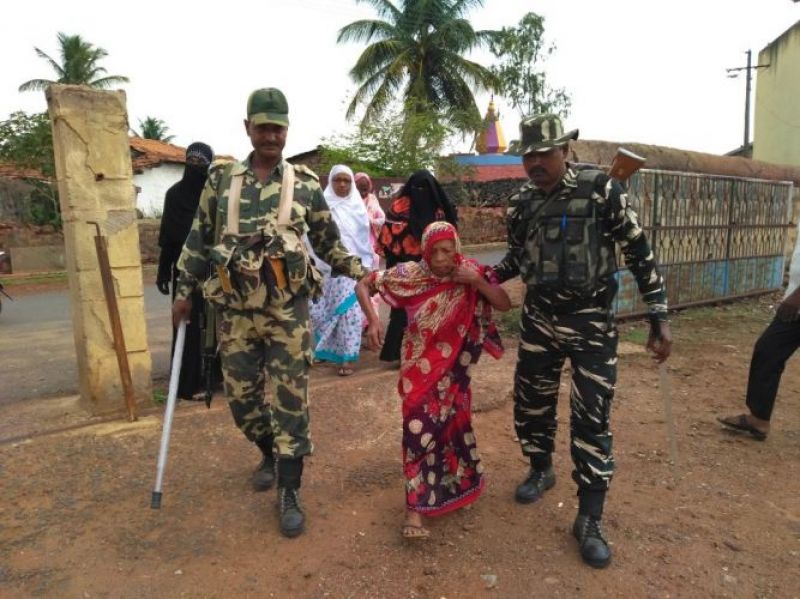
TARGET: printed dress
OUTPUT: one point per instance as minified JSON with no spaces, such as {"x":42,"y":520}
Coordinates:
{"x":449,"y":327}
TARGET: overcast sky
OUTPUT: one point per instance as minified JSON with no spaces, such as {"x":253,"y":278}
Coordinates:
{"x":638,"y":70}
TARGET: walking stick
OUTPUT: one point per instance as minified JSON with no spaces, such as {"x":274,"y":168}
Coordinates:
{"x":177,"y":357}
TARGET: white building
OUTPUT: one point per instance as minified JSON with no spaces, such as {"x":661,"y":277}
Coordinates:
{"x":156,"y":167}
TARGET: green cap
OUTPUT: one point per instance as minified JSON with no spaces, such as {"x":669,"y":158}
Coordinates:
{"x":268,"y":105}
{"x":540,"y":133}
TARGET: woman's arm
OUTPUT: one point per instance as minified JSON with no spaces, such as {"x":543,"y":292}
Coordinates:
{"x":374,"y":330}
{"x":494,"y":294}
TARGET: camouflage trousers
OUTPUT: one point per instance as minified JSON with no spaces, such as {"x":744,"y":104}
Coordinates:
{"x":589,"y":339}
{"x":272,"y":344}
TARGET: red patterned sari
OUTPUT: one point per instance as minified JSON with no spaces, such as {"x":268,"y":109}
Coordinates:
{"x":449,"y":327}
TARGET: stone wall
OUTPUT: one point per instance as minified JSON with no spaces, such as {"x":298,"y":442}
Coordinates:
{"x":481,"y":225}
{"x":148,"y":240}
{"x":482,"y":193}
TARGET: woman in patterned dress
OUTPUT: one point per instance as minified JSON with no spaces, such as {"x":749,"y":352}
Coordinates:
{"x":336,"y":320}
{"x":449,"y":301}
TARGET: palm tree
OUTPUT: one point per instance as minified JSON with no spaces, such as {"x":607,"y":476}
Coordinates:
{"x":153,"y":128}
{"x":416,"y":54}
{"x":79,"y":66}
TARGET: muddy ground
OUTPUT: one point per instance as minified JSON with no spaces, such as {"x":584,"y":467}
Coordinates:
{"x":75,"y":517}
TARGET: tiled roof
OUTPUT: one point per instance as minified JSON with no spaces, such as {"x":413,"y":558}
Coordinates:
{"x":145,"y":153}
{"x":149,"y":153}
{"x":12,"y":171}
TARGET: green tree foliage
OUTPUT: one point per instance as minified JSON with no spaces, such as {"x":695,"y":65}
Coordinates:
{"x":392,"y":147}
{"x":520,"y":51}
{"x":79,"y":66}
{"x":26,"y":140}
{"x":153,"y":128}
{"x":416,"y":53}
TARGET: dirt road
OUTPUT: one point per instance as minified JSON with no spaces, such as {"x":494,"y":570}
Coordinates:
{"x":723,"y":522}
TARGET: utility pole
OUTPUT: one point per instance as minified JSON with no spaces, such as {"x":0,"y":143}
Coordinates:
{"x":733,"y":73}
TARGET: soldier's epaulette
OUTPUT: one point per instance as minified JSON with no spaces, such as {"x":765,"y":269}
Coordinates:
{"x":303,"y":169}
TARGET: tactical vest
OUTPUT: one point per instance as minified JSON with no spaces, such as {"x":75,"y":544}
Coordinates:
{"x":251,"y":266}
{"x":566,"y":245}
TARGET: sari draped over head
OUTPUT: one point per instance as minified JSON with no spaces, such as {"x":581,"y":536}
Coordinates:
{"x":419,"y":202}
{"x":450,"y":324}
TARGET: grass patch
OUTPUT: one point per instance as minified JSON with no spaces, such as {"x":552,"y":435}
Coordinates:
{"x":636,"y":335}
{"x":508,"y":322}
{"x":55,"y":277}
{"x":159,"y":397}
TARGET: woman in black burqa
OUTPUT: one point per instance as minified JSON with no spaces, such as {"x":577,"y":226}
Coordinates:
{"x":180,"y":207}
{"x":419,"y":202}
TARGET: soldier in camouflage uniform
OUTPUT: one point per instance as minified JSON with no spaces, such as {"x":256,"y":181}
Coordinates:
{"x":246,"y":245}
{"x":562,"y":227}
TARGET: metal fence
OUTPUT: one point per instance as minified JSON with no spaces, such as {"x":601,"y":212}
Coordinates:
{"x":714,"y":237}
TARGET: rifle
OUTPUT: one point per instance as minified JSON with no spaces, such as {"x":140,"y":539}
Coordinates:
{"x":624,"y":164}
{"x":209,"y":326}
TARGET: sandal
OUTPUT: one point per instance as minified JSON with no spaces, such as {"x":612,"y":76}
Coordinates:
{"x":345,"y":371}
{"x":740,"y":424}
{"x":412,"y":531}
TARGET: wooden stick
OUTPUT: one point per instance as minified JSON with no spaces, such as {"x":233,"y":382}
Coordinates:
{"x":101,"y":244}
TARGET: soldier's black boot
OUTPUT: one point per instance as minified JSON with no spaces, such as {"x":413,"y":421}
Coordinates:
{"x":264,"y":475}
{"x":594,"y":547}
{"x":540,"y":478}
{"x":292,"y":518}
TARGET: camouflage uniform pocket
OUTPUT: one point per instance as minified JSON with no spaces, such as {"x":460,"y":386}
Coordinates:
{"x":213,"y":292}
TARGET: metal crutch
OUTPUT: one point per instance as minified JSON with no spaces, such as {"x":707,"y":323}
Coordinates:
{"x":177,"y":358}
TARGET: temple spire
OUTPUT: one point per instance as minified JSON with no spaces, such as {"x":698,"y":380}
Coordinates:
{"x":490,"y":140}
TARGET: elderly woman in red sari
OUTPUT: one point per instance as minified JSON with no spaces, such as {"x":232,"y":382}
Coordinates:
{"x":449,"y":301}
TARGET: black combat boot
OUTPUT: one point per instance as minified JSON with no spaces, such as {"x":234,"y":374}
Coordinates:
{"x":264,"y":475}
{"x":292,"y":518}
{"x":594,"y":547}
{"x":540,"y":478}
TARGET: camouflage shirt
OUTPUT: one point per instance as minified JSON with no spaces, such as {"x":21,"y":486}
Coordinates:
{"x":621,"y":223}
{"x":258,"y":212}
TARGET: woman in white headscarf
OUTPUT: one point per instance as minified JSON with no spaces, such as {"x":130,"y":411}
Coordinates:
{"x":336,"y":317}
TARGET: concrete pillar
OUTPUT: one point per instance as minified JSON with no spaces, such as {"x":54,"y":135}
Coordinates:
{"x":95,"y":183}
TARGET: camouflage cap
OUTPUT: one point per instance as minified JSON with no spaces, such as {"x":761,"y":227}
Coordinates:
{"x":268,"y":105}
{"x":540,"y":133}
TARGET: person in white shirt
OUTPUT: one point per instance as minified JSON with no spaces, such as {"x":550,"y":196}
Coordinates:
{"x":775,"y":346}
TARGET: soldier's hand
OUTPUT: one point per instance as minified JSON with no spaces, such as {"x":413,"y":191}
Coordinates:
{"x":181,"y":310}
{"x":660,"y":341}
{"x":163,"y":287}
{"x":465,"y":275}
{"x":375,"y":336}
